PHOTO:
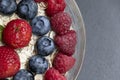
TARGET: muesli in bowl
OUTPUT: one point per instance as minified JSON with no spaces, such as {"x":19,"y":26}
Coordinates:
{"x":37,"y":40}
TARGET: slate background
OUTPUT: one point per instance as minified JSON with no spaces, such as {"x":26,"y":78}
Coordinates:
{"x":102,"y":22}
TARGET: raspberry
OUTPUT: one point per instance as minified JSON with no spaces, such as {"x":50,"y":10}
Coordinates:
{"x":63,"y":63}
{"x":55,"y":6}
{"x":61,"y":22}
{"x":66,"y":43}
{"x":53,"y":74}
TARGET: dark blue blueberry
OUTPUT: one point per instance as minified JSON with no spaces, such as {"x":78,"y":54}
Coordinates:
{"x":27,"y":9}
{"x":8,"y":6}
{"x":45,"y":46}
{"x":37,"y":64}
{"x":40,"y":25}
{"x":23,"y":75}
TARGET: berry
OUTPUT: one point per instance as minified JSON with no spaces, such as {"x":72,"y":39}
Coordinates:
{"x":23,"y":75}
{"x":17,"y":33}
{"x":63,"y":63}
{"x":61,"y":22}
{"x":38,"y":1}
{"x":45,"y":46}
{"x":9,"y":62}
{"x":27,"y":9}
{"x":8,"y":7}
{"x":66,"y":43}
{"x":53,"y":74}
{"x":38,"y":64}
{"x":40,"y":25}
{"x":55,"y":6}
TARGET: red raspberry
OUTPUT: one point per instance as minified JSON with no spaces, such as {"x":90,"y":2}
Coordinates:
{"x":66,"y":43}
{"x":17,"y":33}
{"x":38,"y":1}
{"x":61,"y":22}
{"x":63,"y":63}
{"x":53,"y":74}
{"x":9,"y":62}
{"x":55,"y":6}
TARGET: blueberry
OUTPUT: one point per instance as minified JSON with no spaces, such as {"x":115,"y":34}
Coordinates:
{"x":27,"y":9}
{"x":8,"y":7}
{"x":23,"y":75}
{"x":45,"y":46}
{"x":40,"y":25}
{"x":37,"y":64}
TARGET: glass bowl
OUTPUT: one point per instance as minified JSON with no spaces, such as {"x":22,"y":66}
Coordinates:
{"x":78,"y":26}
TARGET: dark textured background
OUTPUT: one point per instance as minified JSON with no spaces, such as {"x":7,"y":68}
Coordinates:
{"x":102,"y":22}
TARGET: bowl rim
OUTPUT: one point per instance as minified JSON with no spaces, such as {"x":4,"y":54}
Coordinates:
{"x":84,"y":34}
